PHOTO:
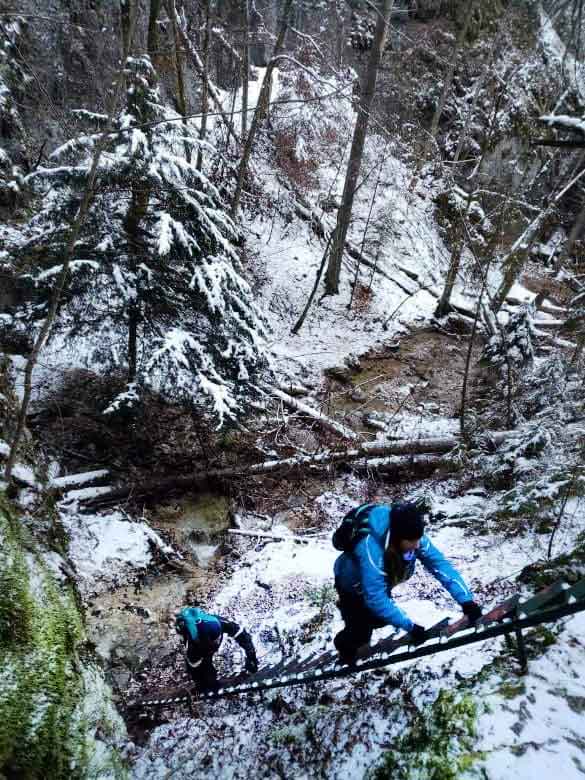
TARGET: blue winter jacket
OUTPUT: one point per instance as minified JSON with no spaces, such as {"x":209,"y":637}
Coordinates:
{"x":362,"y":572}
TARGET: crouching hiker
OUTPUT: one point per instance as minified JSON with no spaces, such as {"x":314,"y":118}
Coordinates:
{"x":202,"y":634}
{"x":381,"y":545}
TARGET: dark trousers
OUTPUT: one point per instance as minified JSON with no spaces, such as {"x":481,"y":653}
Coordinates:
{"x":204,"y":675}
{"x":359,"y":624}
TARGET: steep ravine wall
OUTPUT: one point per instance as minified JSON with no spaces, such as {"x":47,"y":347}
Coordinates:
{"x":56,"y":716}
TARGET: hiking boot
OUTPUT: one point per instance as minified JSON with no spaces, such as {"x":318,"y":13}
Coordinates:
{"x":346,"y":656}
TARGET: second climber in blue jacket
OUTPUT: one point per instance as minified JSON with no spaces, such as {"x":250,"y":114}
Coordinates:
{"x":202,"y":633}
{"x":382,"y":555}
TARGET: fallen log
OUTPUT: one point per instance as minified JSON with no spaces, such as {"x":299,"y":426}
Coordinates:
{"x":321,"y":419}
{"x":266,"y":535}
{"x":365,"y":452}
{"x":400,"y":468}
{"x":84,"y":479}
{"x":292,"y":389}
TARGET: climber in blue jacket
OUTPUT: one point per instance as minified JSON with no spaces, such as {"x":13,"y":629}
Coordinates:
{"x":386,"y":541}
{"x":202,"y":633}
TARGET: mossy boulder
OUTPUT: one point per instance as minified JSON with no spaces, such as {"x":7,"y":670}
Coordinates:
{"x":44,"y":729}
{"x":439,"y":745}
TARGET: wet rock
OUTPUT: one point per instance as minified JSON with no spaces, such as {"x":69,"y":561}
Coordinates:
{"x":118,"y":654}
{"x":137,"y":610}
{"x":304,"y":439}
{"x":353,"y":362}
{"x":372,"y":422}
{"x":120,"y":678}
{"x":294,"y":502}
{"x":339,"y":373}
{"x":358,"y":396}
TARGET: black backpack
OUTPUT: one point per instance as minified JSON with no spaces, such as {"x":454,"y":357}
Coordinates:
{"x":354,"y":527}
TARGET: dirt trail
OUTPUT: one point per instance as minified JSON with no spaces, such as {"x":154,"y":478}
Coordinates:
{"x":423,"y":377}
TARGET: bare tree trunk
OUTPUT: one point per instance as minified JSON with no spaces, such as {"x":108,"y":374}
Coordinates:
{"x":261,"y":109}
{"x":448,"y":83}
{"x":204,"y":85}
{"x":363,"y":246}
{"x":340,"y":33}
{"x":478,"y":87}
{"x":70,"y":248}
{"x":126,"y":23}
{"x":152,"y":43}
{"x":200,"y":69}
{"x":357,"y":148}
{"x":443,"y":306}
{"x":245,"y":66}
{"x":181,"y":96}
{"x":299,"y":323}
{"x":514,"y":261}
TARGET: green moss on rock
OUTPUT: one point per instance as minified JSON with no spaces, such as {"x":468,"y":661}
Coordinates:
{"x":438,"y":745}
{"x":40,"y":681}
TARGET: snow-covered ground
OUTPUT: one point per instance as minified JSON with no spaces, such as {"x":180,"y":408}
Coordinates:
{"x":526,"y":726}
{"x":107,"y":549}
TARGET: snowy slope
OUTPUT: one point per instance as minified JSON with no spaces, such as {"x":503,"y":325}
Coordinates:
{"x":525,"y":727}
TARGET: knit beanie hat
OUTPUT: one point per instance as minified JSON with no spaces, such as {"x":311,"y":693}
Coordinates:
{"x":406,"y":521}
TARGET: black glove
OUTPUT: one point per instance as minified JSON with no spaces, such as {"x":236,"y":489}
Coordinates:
{"x":472,"y":610}
{"x":251,"y":664}
{"x":418,"y":634}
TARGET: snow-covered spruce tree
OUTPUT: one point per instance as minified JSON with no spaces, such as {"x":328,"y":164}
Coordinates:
{"x":514,"y":341}
{"x":155,"y":285}
{"x":13,"y":79}
{"x":510,"y":351}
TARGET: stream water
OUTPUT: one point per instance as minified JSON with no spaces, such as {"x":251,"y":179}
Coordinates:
{"x":132,"y":627}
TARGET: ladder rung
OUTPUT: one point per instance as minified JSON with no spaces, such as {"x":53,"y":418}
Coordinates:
{"x":577,"y":591}
{"x":548,"y":598}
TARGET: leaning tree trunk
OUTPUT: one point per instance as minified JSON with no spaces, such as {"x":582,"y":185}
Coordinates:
{"x":245,"y":66}
{"x":514,"y":261}
{"x":357,"y":148}
{"x":468,"y":13}
{"x":152,"y":43}
{"x":261,"y":109}
{"x":201,"y":72}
